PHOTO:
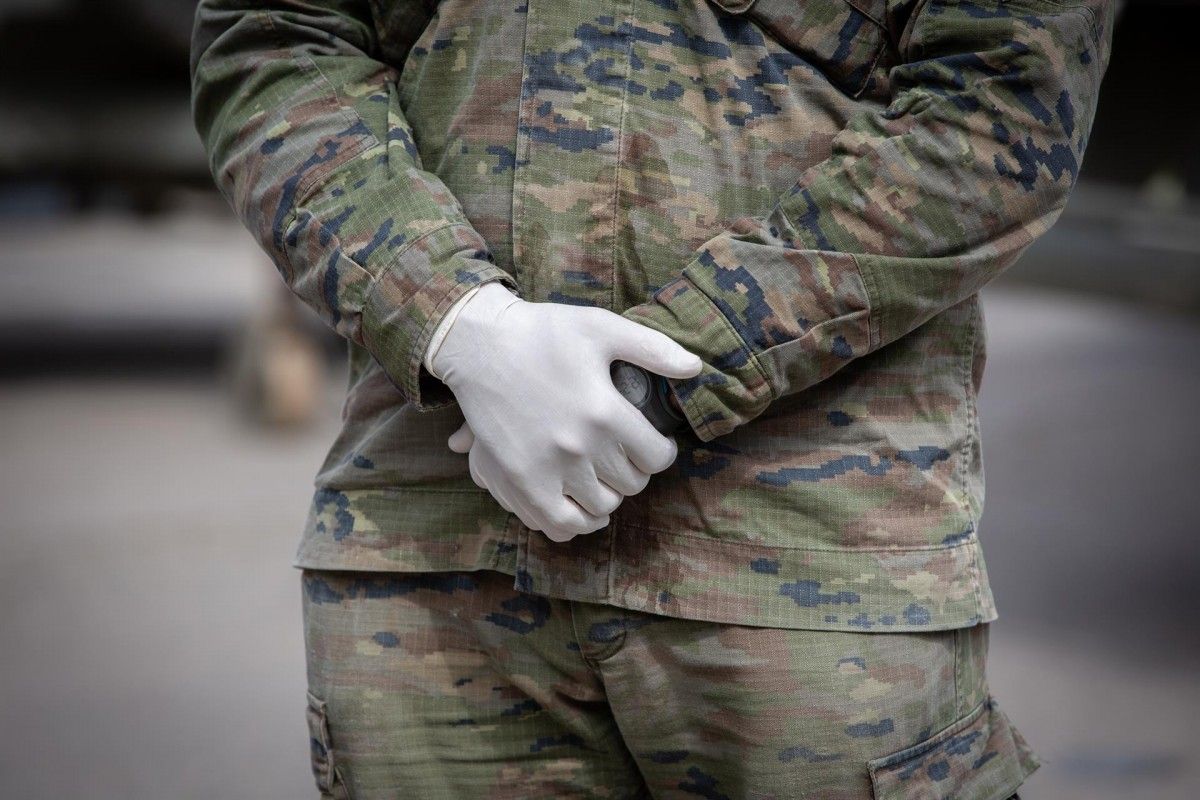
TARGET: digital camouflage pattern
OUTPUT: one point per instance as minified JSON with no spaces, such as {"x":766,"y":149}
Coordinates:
{"x":457,"y":685}
{"x":806,"y":193}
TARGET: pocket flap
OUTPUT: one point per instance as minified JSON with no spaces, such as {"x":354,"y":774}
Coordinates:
{"x":981,"y":756}
{"x":325,"y":770}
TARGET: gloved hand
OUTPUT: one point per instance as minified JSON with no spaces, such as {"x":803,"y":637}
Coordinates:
{"x":554,"y":441}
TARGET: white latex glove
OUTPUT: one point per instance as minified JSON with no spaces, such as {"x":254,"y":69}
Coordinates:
{"x":554,"y":441}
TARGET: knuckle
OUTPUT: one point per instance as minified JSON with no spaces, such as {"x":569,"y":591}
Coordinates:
{"x":569,"y":443}
{"x":524,"y":484}
{"x":561,"y":518}
{"x":598,"y":415}
{"x":587,"y":318}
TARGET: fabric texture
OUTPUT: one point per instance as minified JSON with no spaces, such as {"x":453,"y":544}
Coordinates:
{"x":456,"y":685}
{"x":806,"y":195}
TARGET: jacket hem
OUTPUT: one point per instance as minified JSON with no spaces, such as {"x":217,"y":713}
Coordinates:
{"x":683,"y":575}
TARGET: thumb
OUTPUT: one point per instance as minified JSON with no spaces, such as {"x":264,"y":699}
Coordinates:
{"x":461,"y":440}
{"x":657,"y":352}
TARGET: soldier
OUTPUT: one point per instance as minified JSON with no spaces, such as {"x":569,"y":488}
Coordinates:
{"x":779,"y":214}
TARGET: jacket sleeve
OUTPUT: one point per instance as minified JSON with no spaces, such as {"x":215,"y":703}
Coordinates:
{"x":307,"y":141}
{"x":920,"y":204}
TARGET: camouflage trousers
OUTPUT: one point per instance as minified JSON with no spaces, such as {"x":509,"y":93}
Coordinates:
{"x":456,"y":685}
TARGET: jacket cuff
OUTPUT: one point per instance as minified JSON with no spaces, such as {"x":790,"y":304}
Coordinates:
{"x":732,"y":387}
{"x":399,"y":320}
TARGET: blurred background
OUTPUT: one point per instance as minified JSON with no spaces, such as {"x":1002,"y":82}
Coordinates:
{"x":164,"y":406}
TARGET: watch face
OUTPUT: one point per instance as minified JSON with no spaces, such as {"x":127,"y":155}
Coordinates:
{"x":632,"y":382}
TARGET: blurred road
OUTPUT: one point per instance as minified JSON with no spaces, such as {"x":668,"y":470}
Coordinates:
{"x":152,"y":643}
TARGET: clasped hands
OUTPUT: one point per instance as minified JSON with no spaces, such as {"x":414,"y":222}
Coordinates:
{"x":546,"y":431}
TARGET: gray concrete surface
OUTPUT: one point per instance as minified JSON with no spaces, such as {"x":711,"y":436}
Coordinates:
{"x":151,"y":631}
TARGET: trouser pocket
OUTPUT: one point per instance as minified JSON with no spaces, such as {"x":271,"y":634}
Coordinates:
{"x":324,"y":764}
{"x":981,"y":756}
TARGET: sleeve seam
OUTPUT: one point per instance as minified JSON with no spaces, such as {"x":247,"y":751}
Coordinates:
{"x":875,"y":309}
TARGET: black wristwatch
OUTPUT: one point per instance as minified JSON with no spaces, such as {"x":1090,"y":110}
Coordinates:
{"x":649,"y":393}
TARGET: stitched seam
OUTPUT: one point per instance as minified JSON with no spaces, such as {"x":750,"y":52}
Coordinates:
{"x":339,"y":782}
{"x":958,"y":647}
{"x":878,"y":54}
{"x":591,"y":663}
{"x":968,"y":388}
{"x":508,"y":536}
{"x":611,"y":586}
{"x":629,"y":15}
{"x":968,"y":397}
{"x":858,"y":7}
{"x":904,"y":41}
{"x":524,"y":109}
{"x":718,"y":543}
{"x":875,"y":320}
{"x":891,"y":760}
{"x":1075,"y":6}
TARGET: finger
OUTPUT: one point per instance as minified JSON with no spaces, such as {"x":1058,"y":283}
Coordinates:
{"x":476,"y":475}
{"x":505,"y":500}
{"x":648,"y":348}
{"x":509,"y":498}
{"x":565,"y":518}
{"x":517,"y":504}
{"x":461,"y":440}
{"x":648,"y":449}
{"x":596,"y":498}
{"x":501,"y":500}
{"x":559,"y":536}
{"x":619,"y":473}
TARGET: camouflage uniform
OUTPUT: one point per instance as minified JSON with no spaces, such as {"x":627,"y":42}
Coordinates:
{"x":457,"y":685}
{"x":808,"y":194}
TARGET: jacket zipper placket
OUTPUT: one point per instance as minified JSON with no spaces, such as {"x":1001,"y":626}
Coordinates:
{"x":536,"y":554}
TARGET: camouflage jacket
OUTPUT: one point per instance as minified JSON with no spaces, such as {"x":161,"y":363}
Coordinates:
{"x":806,"y":193}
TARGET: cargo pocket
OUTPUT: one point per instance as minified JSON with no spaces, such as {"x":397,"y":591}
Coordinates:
{"x":324,"y":765}
{"x":843,"y":39}
{"x":981,"y":757}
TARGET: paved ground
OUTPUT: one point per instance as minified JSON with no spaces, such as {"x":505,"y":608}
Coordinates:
{"x":151,"y":636}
